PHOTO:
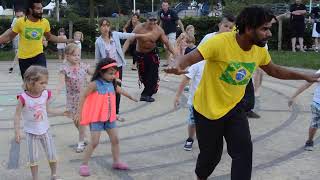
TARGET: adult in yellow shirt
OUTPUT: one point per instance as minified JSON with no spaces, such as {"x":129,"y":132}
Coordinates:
{"x":31,"y":29}
{"x":231,"y":59}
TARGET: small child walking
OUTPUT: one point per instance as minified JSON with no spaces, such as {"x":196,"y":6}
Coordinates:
{"x":315,"y":111}
{"x":73,"y":73}
{"x":32,"y":109}
{"x":61,"y":46}
{"x":78,"y":39}
{"x":98,"y":110}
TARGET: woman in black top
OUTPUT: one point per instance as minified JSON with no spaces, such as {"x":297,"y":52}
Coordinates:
{"x":298,"y":10}
{"x":130,"y":25}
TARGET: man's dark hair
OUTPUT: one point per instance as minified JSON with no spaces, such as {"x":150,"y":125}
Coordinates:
{"x":30,"y":5}
{"x":165,"y":1}
{"x":253,"y":17}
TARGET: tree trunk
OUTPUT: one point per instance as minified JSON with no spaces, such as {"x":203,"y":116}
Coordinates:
{"x":280,"y":35}
{"x":91,"y":9}
{"x":70,"y":29}
{"x":58,"y":10}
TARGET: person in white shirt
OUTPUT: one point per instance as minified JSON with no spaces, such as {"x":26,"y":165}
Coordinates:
{"x":61,"y":46}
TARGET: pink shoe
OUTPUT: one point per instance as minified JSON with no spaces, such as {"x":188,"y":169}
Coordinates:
{"x":120,"y":166}
{"x":84,"y":170}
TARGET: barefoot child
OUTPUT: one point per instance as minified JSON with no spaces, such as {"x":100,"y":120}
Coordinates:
{"x":98,"y":110}
{"x":73,"y":73}
{"x":32,"y":109}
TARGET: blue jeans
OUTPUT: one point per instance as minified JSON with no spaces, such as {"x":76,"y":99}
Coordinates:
{"x":102,"y":126}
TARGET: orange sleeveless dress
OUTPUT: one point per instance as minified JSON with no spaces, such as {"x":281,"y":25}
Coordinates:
{"x":100,"y":106}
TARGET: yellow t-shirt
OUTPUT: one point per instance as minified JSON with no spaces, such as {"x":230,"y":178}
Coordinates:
{"x":31,"y":34}
{"x":227,"y":72}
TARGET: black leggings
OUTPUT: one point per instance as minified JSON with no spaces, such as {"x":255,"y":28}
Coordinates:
{"x":248,"y":100}
{"x":118,"y":96}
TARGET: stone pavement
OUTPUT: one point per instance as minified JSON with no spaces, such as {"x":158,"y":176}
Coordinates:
{"x":153,"y":135}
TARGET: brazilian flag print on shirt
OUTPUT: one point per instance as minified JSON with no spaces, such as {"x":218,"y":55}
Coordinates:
{"x":227,"y":71}
{"x":31,"y":35}
{"x":238,"y":73}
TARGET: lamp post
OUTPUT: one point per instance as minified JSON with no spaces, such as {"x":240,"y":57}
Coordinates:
{"x":58,"y":10}
{"x":134,"y":6}
{"x":152,"y":6}
{"x":310,"y":5}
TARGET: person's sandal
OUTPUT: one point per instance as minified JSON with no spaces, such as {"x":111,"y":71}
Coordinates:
{"x":121,"y":119}
{"x":120,"y":166}
{"x":55,"y":177}
{"x":84,"y":170}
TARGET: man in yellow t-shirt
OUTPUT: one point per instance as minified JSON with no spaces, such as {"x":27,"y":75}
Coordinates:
{"x":231,"y":59}
{"x":31,"y":29}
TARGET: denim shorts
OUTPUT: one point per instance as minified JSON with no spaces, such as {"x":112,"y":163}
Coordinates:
{"x":315,"y":121}
{"x":102,"y":126}
{"x":190,"y":119}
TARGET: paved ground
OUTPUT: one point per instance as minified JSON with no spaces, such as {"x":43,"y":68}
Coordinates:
{"x":152,"y":138}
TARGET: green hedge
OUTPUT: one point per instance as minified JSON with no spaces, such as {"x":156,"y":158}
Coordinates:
{"x":203,"y":25}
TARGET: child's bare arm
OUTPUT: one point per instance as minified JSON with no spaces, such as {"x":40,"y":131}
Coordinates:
{"x":55,"y":111}
{"x":91,"y":71}
{"x":17,"y":120}
{"x":182,"y":85}
{"x":122,"y":92}
{"x":299,"y":91}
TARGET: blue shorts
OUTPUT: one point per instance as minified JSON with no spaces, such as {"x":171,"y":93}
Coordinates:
{"x":190,"y":120}
{"x":315,"y":121}
{"x":102,"y":126}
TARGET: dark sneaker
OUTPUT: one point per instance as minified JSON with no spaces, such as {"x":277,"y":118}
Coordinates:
{"x":252,"y":114}
{"x":147,"y":98}
{"x":308,"y":146}
{"x":188,"y":144}
{"x":186,"y":89}
{"x":10,"y":70}
{"x":165,"y":65}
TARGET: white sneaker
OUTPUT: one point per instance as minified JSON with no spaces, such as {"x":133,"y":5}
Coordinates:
{"x":81,"y":147}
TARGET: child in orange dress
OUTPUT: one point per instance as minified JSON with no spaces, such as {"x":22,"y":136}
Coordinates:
{"x":98,"y":110}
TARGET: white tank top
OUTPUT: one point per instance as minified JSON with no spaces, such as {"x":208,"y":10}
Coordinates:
{"x":34,"y":112}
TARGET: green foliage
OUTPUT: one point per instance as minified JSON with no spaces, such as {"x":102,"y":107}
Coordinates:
{"x":203,"y":25}
{"x":4,"y":24}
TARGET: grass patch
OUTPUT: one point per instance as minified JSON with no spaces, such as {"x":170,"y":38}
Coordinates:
{"x":308,"y":60}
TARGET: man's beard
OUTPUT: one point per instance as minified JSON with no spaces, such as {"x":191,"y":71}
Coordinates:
{"x":259,"y":42}
{"x":37,"y":15}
